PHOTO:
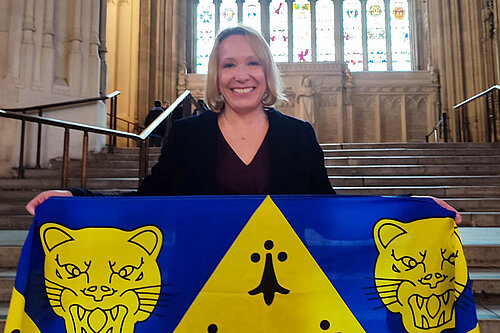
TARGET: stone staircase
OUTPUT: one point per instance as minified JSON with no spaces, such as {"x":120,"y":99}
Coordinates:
{"x":467,"y":176}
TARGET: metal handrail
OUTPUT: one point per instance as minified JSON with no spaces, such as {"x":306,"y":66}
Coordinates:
{"x":142,"y":138}
{"x":442,"y":121}
{"x":128,"y":122}
{"x":148,"y":130}
{"x":62,"y":104}
{"x":497,"y":87}
{"x":492,"y":116}
{"x":41,"y":108}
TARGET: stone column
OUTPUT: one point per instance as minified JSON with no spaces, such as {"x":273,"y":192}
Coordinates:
{"x":48,"y":51}
{"x":27,"y":46}
{"x":75,"y":54}
{"x":94,"y":61}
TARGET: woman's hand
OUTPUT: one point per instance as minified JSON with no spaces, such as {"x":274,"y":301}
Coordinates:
{"x":36,"y":201}
{"x":458,"y":217}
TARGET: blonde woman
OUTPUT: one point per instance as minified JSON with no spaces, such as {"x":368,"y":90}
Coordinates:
{"x":243,"y":145}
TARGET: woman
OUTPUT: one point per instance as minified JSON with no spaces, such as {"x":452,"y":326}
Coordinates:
{"x":242,"y":146}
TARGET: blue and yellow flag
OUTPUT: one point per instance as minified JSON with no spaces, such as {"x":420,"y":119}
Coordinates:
{"x":242,"y":264}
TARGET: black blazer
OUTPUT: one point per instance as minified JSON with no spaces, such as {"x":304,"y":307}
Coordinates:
{"x":187,"y":162}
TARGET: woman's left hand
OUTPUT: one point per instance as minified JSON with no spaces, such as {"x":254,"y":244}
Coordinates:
{"x":458,"y":217}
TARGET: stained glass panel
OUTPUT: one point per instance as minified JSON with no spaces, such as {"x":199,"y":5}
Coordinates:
{"x":325,"y":31}
{"x":386,"y":28}
{"x":353,"y":35}
{"x":228,"y":14}
{"x":251,"y":14}
{"x":278,"y":26}
{"x":376,"y":35}
{"x":400,"y":36}
{"x":301,"y":31}
{"x":205,"y":20}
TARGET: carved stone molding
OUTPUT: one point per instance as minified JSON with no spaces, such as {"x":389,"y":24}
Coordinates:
{"x":390,"y":101}
{"x":364,"y":101}
{"x":328,"y":101}
{"x":331,"y":68}
{"x":416,"y":101}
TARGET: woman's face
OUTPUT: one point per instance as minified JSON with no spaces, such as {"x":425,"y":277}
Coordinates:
{"x":242,"y":80}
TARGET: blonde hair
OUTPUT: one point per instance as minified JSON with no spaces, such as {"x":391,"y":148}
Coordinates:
{"x":274,"y":90}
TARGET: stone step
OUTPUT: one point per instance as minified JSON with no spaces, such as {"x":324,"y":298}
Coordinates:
{"x":488,"y":317}
{"x":17,"y":195}
{"x":41,"y":184}
{"x":413,"y":180}
{"x":16,"y":221}
{"x":413,"y":170}
{"x":481,"y":247}
{"x":435,"y":191}
{"x":130,"y":150}
{"x":412,"y":145}
{"x":121,"y":157}
{"x":480,"y":219}
{"x":474,"y":204}
{"x":7,"y":278}
{"x":111,"y":184}
{"x":385,"y":152}
{"x":411,"y":160}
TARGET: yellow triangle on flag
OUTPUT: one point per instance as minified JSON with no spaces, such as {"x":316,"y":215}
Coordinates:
{"x":268,"y":282}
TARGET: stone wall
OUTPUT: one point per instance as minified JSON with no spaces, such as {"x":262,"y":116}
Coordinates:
{"x":50,"y":53}
{"x":358,"y":107}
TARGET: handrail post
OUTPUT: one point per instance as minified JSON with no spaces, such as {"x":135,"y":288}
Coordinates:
{"x":39,"y":142}
{"x":84,"y":158}
{"x":110,"y":138}
{"x":20,"y":169}
{"x":146,"y":157}
{"x":496,"y":113}
{"x":64,"y":177}
{"x":128,"y":130}
{"x":142,"y":148}
{"x":115,"y":119}
{"x":445,"y":126}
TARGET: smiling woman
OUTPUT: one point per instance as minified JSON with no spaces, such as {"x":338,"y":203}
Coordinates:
{"x":242,"y":145}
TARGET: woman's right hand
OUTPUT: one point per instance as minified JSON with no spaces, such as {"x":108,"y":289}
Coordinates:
{"x":40,"y":198}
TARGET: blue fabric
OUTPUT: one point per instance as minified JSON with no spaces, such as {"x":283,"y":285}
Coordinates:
{"x":198,"y":231}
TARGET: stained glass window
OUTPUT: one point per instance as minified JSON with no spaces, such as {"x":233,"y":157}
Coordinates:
{"x":206,"y":34}
{"x":301,"y":31}
{"x":353,"y":35}
{"x":278,"y":28}
{"x":325,"y":31}
{"x":369,"y":35}
{"x":228,"y":14}
{"x":376,"y":35}
{"x":251,"y":14}
{"x":400,"y":36}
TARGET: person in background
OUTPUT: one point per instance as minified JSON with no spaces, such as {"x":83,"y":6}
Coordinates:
{"x":242,"y":145}
{"x":156,"y":137}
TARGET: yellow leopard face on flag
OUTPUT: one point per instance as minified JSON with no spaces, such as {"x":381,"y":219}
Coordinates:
{"x":420,"y":274}
{"x":268,"y":282}
{"x":101,"y":279}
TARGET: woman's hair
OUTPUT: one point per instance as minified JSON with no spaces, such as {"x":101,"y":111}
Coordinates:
{"x":274,"y":90}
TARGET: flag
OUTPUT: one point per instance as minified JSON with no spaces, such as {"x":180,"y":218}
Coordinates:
{"x":242,"y":264}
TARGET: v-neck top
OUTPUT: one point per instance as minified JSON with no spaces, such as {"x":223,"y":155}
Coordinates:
{"x":233,"y":176}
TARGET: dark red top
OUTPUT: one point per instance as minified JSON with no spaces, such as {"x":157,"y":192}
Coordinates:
{"x":233,"y":176}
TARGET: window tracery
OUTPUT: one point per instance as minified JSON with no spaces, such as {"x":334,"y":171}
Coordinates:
{"x":370,"y":35}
